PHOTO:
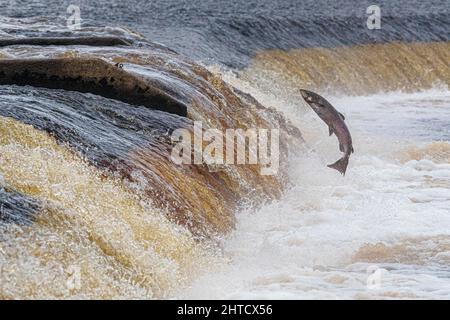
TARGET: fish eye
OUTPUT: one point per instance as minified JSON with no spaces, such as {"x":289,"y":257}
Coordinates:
{"x":310,"y":98}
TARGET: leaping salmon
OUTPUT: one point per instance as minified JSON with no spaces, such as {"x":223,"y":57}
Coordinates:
{"x":336,"y":124}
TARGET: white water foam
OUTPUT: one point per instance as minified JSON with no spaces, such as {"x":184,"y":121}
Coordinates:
{"x":382,"y":231}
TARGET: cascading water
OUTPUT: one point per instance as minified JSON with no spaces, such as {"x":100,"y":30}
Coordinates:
{"x":91,"y":205}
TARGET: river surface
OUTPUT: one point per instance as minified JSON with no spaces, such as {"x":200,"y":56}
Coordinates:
{"x":91,"y":208}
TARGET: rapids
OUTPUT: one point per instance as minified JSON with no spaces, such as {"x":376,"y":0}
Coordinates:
{"x":92,"y":206}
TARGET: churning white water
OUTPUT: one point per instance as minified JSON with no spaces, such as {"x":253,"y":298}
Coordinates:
{"x":382,"y":231}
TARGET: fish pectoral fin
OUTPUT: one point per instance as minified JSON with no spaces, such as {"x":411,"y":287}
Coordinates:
{"x":330,"y":131}
{"x":341,"y":147}
{"x":342,"y":116}
{"x":353,"y":150}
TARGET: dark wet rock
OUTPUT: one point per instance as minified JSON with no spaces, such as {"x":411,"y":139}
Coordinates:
{"x":17,"y":208}
{"x":66,"y":41}
{"x":92,"y":75}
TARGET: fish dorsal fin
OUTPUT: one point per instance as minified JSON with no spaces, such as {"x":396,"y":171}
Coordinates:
{"x":330,"y":130}
{"x":342,"y":116}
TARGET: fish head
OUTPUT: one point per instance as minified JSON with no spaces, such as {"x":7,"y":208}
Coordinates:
{"x":310,"y":96}
{"x":314,"y":100}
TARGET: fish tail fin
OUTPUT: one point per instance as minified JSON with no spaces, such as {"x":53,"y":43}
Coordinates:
{"x":340,"y":165}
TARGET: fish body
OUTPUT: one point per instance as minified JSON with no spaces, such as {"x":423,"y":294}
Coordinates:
{"x":336,"y":124}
